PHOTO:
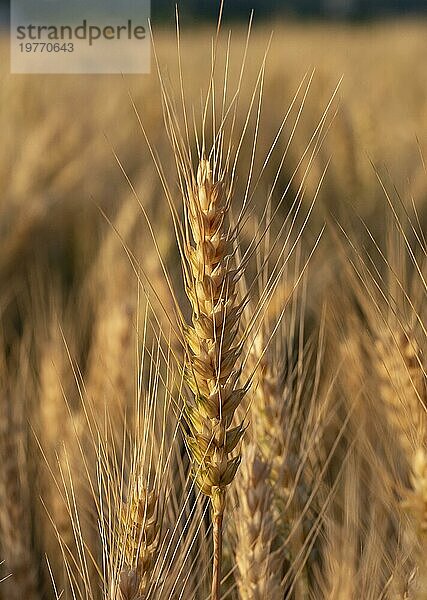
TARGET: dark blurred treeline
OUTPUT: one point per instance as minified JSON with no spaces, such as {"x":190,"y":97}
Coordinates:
{"x":352,"y":9}
{"x":240,"y":9}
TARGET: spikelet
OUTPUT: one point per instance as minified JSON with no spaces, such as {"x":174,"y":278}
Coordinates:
{"x":258,"y":563}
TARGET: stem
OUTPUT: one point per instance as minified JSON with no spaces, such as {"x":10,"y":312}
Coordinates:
{"x":217,"y":555}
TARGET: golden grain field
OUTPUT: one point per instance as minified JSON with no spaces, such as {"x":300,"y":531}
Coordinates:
{"x":213,"y":329}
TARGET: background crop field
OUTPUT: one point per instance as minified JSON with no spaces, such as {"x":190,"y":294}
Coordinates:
{"x":75,"y":168}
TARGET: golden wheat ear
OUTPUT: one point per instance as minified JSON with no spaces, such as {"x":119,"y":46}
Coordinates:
{"x":213,"y":353}
{"x":139,"y":540}
{"x":259,"y":564}
{"x":214,"y":258}
{"x":388,"y":284}
{"x":128,"y":480}
{"x":141,"y":484}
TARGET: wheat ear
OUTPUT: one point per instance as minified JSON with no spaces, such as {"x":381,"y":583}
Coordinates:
{"x":212,"y":351}
{"x":403,"y":390}
{"x":140,"y":540}
{"x":402,"y":387}
{"x":258,"y":566}
{"x":284,"y":427}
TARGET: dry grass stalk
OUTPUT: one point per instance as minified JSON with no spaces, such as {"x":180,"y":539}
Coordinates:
{"x":213,"y":353}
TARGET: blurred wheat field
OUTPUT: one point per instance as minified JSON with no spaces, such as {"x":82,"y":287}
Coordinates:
{"x":264,"y":371}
